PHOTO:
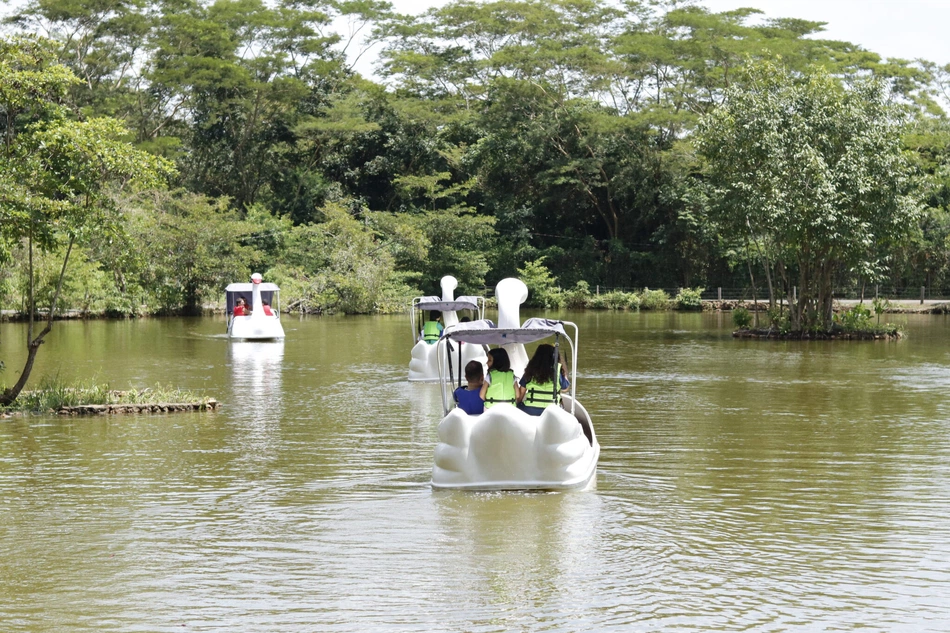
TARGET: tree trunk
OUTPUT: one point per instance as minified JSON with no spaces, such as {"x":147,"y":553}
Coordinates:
{"x":33,"y":344}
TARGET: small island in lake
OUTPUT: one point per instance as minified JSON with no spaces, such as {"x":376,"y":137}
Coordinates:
{"x":857,"y":322}
{"x":54,"y":397}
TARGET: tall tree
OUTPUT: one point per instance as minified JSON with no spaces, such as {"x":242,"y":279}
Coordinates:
{"x":811,"y":174}
{"x":55,"y":171}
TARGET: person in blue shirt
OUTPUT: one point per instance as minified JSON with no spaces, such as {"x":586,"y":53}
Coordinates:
{"x":536,"y":389}
{"x":469,"y":398}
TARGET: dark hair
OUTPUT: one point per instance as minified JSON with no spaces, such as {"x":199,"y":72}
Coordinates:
{"x":474,"y":370}
{"x":500,"y":360}
{"x":434,"y":314}
{"x":541,"y":367}
{"x":464,"y":319}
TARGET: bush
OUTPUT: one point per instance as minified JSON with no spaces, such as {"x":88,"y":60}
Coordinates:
{"x":689,"y":299}
{"x":855,"y":319}
{"x":778,"y":319}
{"x":579,"y":296}
{"x":741,"y":318}
{"x":880,"y":305}
{"x":615,"y":300}
{"x":543,"y":291}
{"x":654,"y":300}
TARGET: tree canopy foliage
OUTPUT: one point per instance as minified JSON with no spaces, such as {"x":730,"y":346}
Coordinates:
{"x":810,"y":176}
{"x":561,"y":137}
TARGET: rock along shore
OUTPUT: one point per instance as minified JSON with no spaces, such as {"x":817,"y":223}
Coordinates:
{"x":835,"y":335}
{"x":162,"y":407}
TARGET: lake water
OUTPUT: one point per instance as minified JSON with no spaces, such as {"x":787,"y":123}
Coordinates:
{"x":742,"y":485}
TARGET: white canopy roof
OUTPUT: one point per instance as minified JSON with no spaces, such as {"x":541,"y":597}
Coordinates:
{"x":249,"y":287}
{"x":487,"y":333}
{"x":436,"y":303}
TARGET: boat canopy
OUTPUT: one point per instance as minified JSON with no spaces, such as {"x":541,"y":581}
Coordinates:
{"x":437,"y":303}
{"x":246,"y":290}
{"x":485,"y":332}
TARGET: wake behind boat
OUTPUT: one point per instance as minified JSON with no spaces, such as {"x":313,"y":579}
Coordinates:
{"x":505,"y":448}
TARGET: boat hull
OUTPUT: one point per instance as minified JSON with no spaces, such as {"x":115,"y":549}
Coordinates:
{"x":256,"y":328}
{"x":424,"y":364}
{"x":507,"y":449}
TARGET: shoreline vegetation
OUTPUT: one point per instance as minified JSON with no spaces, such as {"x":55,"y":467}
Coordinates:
{"x":614,"y":301}
{"x":57,"y":397}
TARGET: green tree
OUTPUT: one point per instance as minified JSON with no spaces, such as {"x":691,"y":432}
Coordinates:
{"x":339,"y":265}
{"x":810,"y":174}
{"x":56,"y":172}
{"x":191,"y":247}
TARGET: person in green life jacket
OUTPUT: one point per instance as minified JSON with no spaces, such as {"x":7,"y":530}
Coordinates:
{"x":432,"y":329}
{"x":500,"y":385}
{"x":536,"y":389}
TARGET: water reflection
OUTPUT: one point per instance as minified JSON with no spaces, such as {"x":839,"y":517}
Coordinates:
{"x":256,"y":369}
{"x":742,"y":486}
{"x":517,"y":548}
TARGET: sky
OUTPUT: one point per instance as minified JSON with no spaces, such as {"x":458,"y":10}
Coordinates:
{"x":907,"y":29}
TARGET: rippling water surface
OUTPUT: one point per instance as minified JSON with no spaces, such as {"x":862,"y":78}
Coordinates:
{"x":743,"y":485}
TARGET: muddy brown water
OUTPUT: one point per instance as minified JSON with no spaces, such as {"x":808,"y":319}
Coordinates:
{"x":742,"y":485}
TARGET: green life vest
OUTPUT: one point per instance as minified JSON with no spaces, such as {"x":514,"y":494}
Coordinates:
{"x":501,"y":389}
{"x":430,"y":331}
{"x":541,"y":394}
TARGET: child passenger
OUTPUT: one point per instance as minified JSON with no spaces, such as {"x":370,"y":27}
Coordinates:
{"x":537,"y":389}
{"x":501,"y":385}
{"x":432,"y":329}
{"x":469,"y":398}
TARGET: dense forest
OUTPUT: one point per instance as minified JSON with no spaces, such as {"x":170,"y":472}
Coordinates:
{"x":572,"y":142}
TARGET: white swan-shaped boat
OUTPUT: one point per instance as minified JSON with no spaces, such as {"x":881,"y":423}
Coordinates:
{"x":505,"y":448}
{"x":424,"y":363}
{"x":257,"y":325}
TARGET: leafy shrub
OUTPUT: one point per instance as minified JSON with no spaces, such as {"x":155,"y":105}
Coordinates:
{"x":654,"y":300}
{"x":543,"y":290}
{"x":855,"y":319}
{"x":778,"y":319}
{"x":741,"y":318}
{"x":615,"y":300}
{"x":880,"y":305}
{"x":579,"y":296}
{"x":633,"y":301}
{"x":689,"y":299}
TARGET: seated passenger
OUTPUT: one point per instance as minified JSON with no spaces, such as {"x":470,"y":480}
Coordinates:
{"x":267,"y":308}
{"x":469,"y":399}
{"x":500,"y":385}
{"x":432,"y":329}
{"x":537,"y":389}
{"x":240,"y":307}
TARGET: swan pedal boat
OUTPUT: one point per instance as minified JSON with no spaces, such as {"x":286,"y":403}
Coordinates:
{"x":505,"y":448}
{"x":257,"y":325}
{"x":424,"y":363}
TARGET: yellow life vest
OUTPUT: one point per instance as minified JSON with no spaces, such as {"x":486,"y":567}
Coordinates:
{"x":544,"y":393}
{"x":501,"y":389}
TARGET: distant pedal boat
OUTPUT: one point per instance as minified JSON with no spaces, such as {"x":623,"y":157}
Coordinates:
{"x":425,"y":355}
{"x":256,"y":326}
